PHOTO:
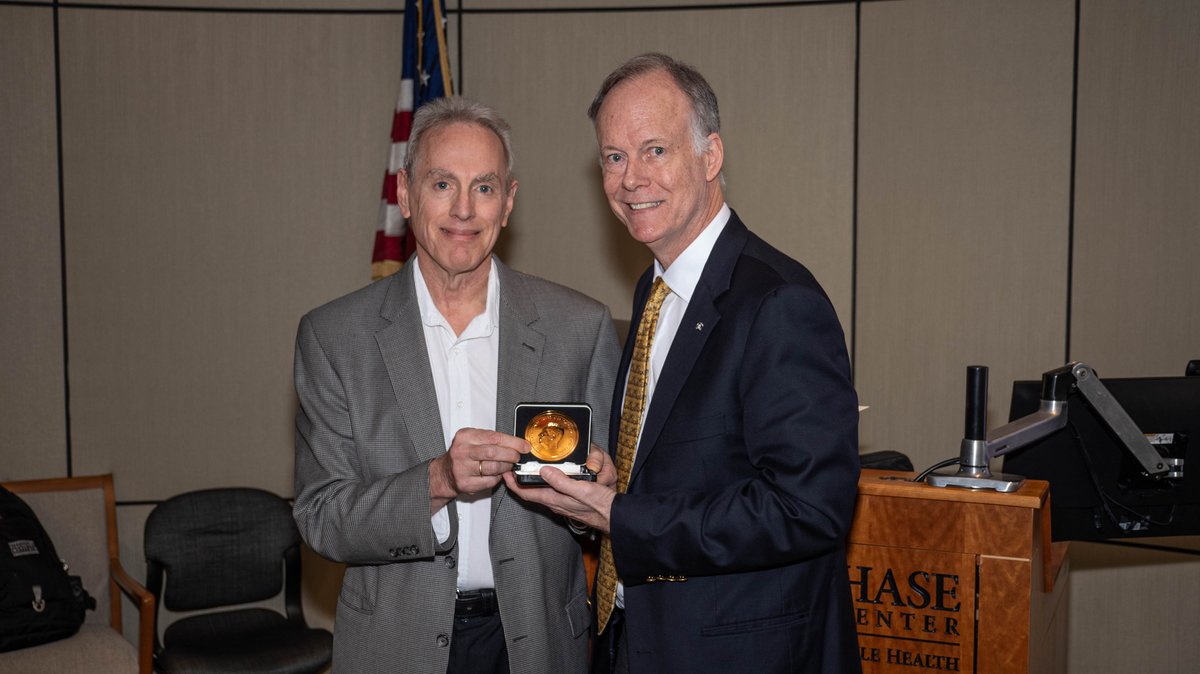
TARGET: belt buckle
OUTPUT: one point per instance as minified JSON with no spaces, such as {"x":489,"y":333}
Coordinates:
{"x":473,"y":603}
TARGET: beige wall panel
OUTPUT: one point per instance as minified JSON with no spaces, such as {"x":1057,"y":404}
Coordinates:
{"x":1134,"y":610}
{"x":32,"y":405}
{"x":273,"y":5}
{"x":1136,"y":296}
{"x":787,"y":124}
{"x":964,"y":169}
{"x":471,"y":5}
{"x":634,"y":5}
{"x":222,"y":176}
{"x":1136,"y":289}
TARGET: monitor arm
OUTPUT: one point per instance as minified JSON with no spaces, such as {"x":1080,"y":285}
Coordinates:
{"x":980,"y":446}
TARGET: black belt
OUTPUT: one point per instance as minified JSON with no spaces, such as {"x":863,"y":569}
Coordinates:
{"x":475,"y":603}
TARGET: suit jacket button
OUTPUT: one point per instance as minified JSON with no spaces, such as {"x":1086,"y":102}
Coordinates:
{"x":443,"y":640}
{"x":393,"y":553}
{"x":450,"y":563}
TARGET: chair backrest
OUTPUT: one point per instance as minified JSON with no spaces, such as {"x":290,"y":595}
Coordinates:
{"x":220,"y":547}
{"x":79,"y":514}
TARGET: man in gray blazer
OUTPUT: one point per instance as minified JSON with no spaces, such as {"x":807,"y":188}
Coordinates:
{"x":402,"y":387}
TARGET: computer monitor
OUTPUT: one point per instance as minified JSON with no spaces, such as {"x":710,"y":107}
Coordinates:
{"x":1097,"y":489}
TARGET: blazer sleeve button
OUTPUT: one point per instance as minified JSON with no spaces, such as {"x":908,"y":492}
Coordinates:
{"x":450,"y":563}
{"x":443,"y":640}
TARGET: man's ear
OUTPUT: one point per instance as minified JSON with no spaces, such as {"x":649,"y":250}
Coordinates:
{"x":402,"y":193}
{"x":509,"y":200}
{"x":714,"y":156}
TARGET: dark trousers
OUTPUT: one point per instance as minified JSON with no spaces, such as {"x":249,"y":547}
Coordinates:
{"x":610,"y":652}
{"x":478,"y":647}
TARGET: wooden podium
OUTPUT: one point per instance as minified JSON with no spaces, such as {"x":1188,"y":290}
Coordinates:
{"x":956,"y":580}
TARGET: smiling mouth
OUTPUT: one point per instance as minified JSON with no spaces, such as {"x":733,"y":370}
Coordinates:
{"x":644,"y":205}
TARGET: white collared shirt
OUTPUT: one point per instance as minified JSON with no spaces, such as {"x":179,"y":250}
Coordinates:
{"x":465,"y":369}
{"x":681,"y":277}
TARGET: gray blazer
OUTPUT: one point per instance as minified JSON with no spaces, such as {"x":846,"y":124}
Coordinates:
{"x":368,"y":426}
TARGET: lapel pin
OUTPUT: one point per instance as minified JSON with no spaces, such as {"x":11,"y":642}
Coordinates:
{"x":699,"y":327}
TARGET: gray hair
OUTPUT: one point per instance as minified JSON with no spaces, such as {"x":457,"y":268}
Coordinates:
{"x":448,"y":110}
{"x":706,"y":118}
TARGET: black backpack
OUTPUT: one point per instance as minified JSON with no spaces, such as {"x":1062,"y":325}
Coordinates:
{"x":39,"y":601}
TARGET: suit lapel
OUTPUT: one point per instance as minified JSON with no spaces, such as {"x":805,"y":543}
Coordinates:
{"x":521,"y":348}
{"x":699,"y":321}
{"x":406,"y":357}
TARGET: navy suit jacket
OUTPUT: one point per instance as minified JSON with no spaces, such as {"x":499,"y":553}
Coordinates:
{"x":731,"y":537}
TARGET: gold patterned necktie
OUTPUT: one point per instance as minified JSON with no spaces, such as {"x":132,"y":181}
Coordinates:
{"x":631,"y":423}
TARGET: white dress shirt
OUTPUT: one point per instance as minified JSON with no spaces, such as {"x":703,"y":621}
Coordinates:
{"x":465,"y":369}
{"x":681,"y":278}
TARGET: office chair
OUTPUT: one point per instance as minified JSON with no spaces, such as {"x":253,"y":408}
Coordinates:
{"x":80,"y":515}
{"x":222,"y":549}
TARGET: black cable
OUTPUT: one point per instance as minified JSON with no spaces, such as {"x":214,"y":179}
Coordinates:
{"x":1105,"y":498}
{"x":936,"y":466}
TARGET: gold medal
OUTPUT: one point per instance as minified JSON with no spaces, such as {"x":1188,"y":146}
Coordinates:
{"x":553,"y":435}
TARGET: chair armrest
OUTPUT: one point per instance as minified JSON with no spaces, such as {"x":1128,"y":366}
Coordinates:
{"x":145,"y":603}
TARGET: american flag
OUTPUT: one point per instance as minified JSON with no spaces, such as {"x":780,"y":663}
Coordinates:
{"x":425,"y":76}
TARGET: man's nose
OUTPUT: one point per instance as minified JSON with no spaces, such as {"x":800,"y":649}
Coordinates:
{"x":634,"y":176}
{"x":463,"y":206}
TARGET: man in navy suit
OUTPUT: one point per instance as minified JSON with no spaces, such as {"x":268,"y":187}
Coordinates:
{"x":742,"y":465}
